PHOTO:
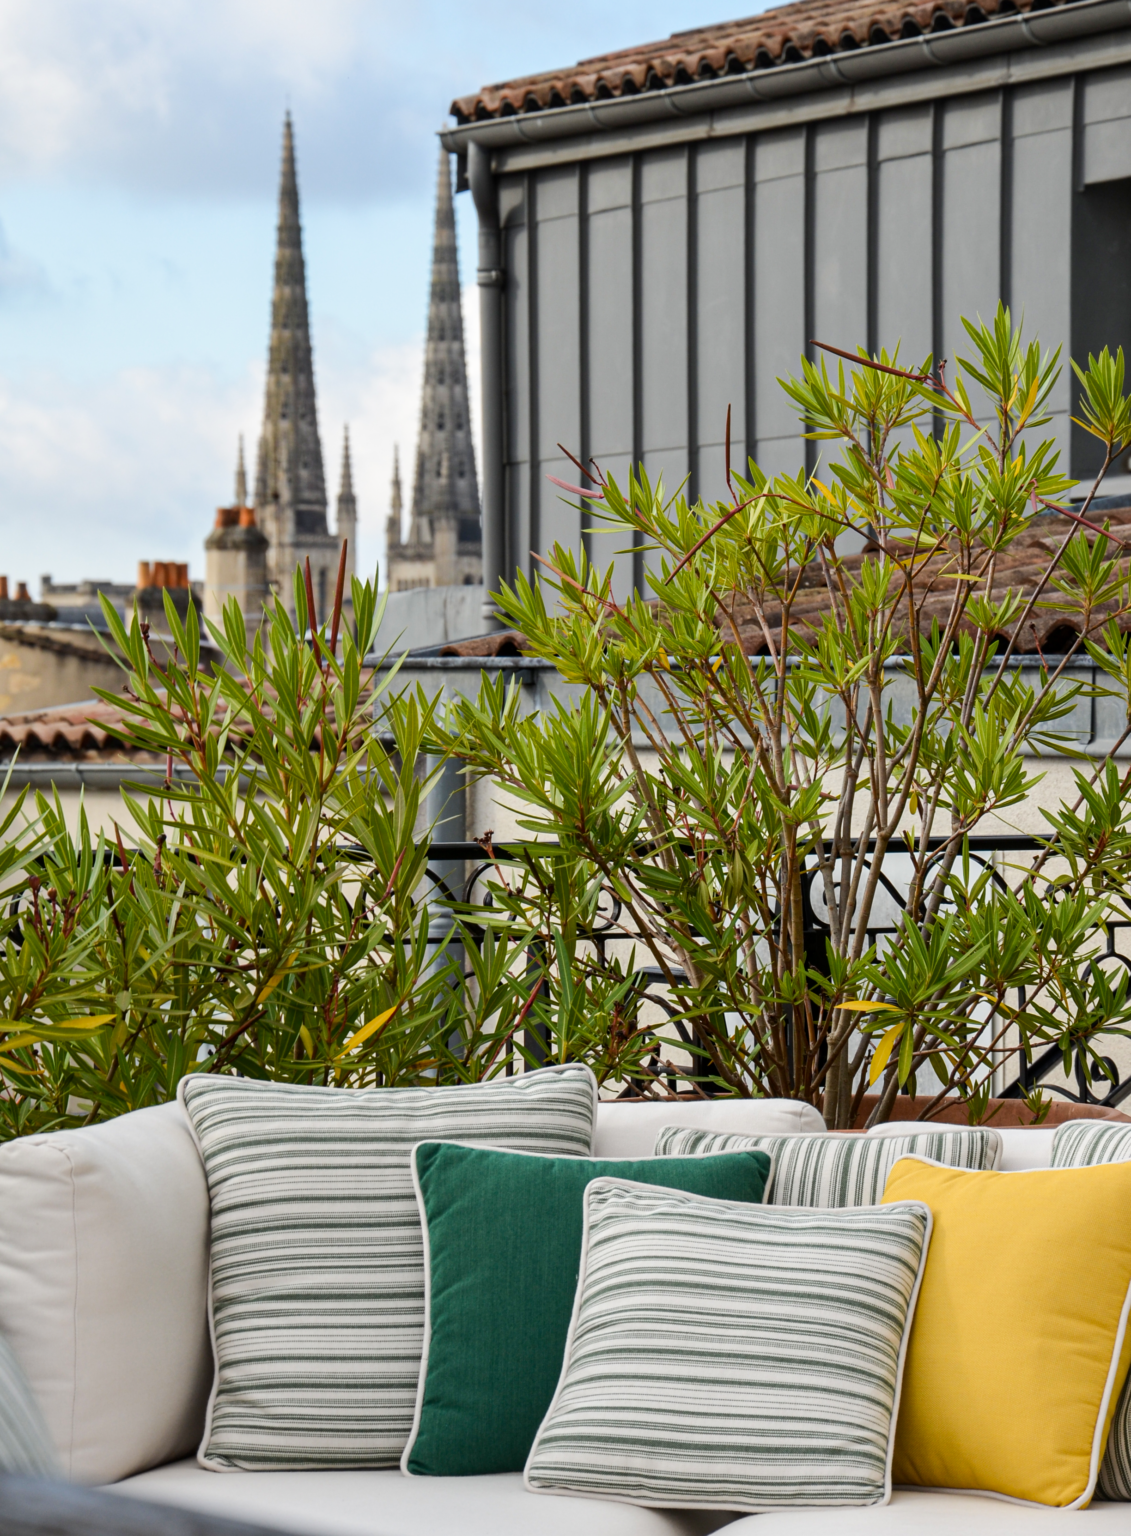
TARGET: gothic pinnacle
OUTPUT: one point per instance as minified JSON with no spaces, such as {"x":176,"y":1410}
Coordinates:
{"x":241,"y":478}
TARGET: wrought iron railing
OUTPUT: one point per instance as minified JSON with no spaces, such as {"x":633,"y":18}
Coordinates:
{"x":458,"y":869}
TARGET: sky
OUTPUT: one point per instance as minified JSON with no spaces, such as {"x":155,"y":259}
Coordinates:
{"x":139,"y":161}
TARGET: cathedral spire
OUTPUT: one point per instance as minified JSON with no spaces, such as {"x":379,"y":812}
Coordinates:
{"x":241,"y":478}
{"x":445,"y":483}
{"x":347,"y":509}
{"x":290,"y":487}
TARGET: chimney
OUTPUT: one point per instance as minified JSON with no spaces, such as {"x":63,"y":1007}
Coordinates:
{"x":247,"y":517}
{"x":182,"y":575}
{"x":227,"y":517}
{"x":22,"y":594}
{"x":144,"y":575}
{"x":3,"y":589}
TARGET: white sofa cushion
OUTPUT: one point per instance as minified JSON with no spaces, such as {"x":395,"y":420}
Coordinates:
{"x":629,"y":1129}
{"x":25,"y":1443}
{"x":103,"y":1288}
{"x":372,"y":1503}
{"x":317,"y":1264}
{"x":839,"y":1170}
{"x":733,"y":1356}
{"x":913,"y":1512}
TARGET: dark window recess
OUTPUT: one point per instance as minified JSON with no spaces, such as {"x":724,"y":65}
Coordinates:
{"x":1101,"y":296}
{"x":440,"y":422}
{"x":469,"y":530}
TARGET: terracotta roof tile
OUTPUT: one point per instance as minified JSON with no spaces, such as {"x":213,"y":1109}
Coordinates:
{"x":67,"y":731}
{"x":788,"y":34}
{"x":1052,"y":630}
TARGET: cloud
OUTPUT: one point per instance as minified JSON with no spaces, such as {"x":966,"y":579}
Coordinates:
{"x":185,"y":97}
{"x":22,"y":278}
{"x":96,"y":476}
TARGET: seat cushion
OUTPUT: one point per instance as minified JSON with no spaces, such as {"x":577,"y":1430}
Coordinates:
{"x":387,"y":1504}
{"x":935,"y":1514}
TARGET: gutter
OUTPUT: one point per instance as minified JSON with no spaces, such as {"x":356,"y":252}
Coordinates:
{"x":935,"y":50}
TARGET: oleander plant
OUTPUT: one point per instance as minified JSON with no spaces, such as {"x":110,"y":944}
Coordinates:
{"x":813,"y":704}
{"x":816,"y":707}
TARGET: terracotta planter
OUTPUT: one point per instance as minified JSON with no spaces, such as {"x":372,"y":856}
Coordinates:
{"x":1002,"y":1114}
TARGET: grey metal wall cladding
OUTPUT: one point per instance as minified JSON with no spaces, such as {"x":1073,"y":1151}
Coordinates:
{"x":648,"y":291}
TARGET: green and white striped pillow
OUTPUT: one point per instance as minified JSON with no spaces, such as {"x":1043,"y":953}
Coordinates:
{"x":732,"y":1356}
{"x":836,"y":1171}
{"x":25,"y":1443}
{"x":1083,"y":1144}
{"x":316,"y":1297}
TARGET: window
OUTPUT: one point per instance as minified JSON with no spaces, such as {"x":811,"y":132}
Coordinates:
{"x":440,"y":421}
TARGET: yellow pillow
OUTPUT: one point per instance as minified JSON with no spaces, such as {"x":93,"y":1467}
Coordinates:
{"x":1020,"y":1343}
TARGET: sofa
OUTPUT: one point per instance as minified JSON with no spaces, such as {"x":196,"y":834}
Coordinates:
{"x":104,"y":1242}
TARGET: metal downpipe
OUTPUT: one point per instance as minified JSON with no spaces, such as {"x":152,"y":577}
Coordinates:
{"x":485,"y":191}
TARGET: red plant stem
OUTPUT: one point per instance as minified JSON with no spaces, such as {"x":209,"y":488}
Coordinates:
{"x":311,"y":616}
{"x":338,"y":593}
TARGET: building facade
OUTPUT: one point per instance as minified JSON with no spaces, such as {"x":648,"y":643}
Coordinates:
{"x":442,"y":546}
{"x":664,"y":232}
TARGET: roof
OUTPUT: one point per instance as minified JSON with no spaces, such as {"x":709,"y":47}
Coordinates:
{"x":787,"y":34}
{"x":1052,"y":630}
{"x":68,"y":732}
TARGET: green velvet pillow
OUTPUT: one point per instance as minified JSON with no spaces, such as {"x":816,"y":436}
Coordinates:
{"x":502,"y":1248}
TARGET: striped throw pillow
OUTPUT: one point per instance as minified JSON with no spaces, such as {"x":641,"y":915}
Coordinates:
{"x":836,"y":1171}
{"x":25,"y":1444}
{"x":1083,"y":1144}
{"x":732,"y":1356}
{"x":316,"y":1297}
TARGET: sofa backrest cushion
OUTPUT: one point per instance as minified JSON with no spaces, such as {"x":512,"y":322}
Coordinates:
{"x":25,"y":1441}
{"x":103,"y":1288}
{"x":627,"y":1129}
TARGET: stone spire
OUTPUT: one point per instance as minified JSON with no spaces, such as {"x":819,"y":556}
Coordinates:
{"x":290,"y":488}
{"x":241,"y":478}
{"x":347,"y":509}
{"x":445,"y":461}
{"x":393,"y":533}
{"x":444,"y":542}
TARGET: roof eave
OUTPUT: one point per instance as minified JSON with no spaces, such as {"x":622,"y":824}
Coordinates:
{"x":1002,"y":34}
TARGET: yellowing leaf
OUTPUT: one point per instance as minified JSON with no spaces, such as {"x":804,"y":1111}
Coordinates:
{"x":360,"y":1036}
{"x":307,"y":1040}
{"x":17,"y":1066}
{"x":883,"y":1052}
{"x":859,"y":1005}
{"x":272,"y":982}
